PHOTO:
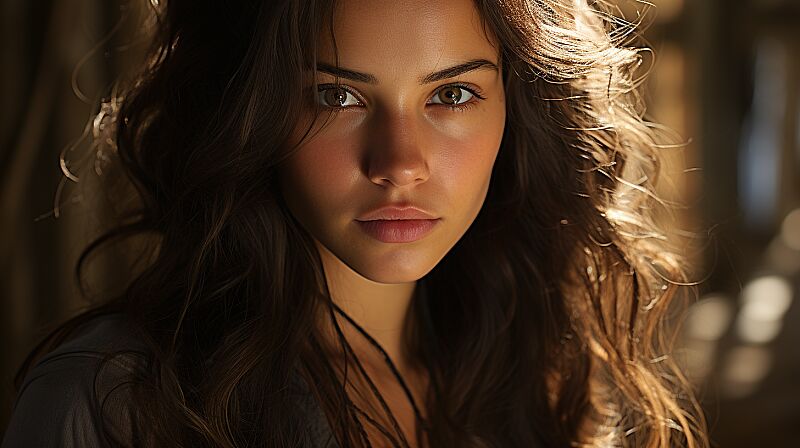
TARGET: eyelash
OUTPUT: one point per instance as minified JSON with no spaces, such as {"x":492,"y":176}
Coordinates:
{"x":476,"y":92}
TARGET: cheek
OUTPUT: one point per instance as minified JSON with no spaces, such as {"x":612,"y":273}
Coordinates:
{"x":320,"y":176}
{"x":469,"y":155}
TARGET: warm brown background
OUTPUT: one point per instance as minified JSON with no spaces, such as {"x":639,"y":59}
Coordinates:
{"x":727,"y":77}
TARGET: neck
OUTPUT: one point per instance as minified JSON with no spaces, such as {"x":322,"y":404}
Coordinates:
{"x":381,"y":309}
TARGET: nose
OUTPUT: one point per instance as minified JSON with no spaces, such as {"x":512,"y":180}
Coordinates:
{"x":397,"y":156}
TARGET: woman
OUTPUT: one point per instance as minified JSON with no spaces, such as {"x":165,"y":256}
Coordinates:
{"x":414,"y":223}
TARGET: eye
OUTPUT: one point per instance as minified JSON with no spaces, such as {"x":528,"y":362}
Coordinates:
{"x":452,"y":95}
{"x":455,"y":96}
{"x":331,"y":95}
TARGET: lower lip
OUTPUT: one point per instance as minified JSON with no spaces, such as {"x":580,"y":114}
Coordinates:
{"x":398,"y":231}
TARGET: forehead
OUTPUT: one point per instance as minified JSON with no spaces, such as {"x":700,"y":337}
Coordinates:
{"x":394,"y":38}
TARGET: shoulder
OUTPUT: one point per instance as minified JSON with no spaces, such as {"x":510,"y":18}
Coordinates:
{"x":79,"y":392}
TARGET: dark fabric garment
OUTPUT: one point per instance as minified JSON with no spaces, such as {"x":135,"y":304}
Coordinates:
{"x":58,"y":405}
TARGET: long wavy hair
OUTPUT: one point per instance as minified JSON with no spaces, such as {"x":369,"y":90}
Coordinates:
{"x":548,"y":324}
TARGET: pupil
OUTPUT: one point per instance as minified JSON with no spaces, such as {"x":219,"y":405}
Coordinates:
{"x":451,"y":95}
{"x":336,"y":96}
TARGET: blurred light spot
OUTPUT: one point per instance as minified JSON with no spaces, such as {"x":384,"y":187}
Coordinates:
{"x":790,"y":229}
{"x":699,"y":359}
{"x":764,"y":302}
{"x":706,"y":322}
{"x":783,"y":258}
{"x":743,"y":370}
{"x":759,"y":161}
{"x":757,"y":332}
{"x":709,"y":318}
{"x":767,"y":298}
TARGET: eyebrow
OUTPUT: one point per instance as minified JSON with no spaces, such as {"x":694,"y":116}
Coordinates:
{"x":449,"y":72}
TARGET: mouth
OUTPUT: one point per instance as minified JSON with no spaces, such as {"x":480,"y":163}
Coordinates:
{"x":398,"y":230}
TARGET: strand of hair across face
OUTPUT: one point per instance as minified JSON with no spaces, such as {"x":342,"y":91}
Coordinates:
{"x":423,"y":423}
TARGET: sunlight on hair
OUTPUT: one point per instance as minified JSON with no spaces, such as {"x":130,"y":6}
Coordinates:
{"x":103,"y":143}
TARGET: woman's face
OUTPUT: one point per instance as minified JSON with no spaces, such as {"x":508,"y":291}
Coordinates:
{"x":420,"y":117}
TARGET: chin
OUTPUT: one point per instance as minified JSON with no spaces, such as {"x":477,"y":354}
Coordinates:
{"x":393,"y":269}
{"x":391,"y":277}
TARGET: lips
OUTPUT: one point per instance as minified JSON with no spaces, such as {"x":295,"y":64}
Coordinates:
{"x":398,"y":230}
{"x":397,"y":223}
{"x":396,"y":211}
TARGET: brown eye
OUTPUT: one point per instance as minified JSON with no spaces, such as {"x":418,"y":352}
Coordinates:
{"x":453,"y":95}
{"x":450,"y":95}
{"x":336,"y":97}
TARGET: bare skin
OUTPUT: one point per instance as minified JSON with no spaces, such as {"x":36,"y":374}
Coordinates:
{"x":396,"y":139}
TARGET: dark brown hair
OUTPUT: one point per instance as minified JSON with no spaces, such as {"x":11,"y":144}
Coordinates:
{"x":548,"y":324}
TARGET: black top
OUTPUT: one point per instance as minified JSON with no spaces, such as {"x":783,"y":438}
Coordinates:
{"x":58,"y":406}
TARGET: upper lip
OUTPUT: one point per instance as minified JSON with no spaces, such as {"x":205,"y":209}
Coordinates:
{"x":395,"y":212}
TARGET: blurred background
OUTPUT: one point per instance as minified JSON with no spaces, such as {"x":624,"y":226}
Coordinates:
{"x":726,"y":77}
